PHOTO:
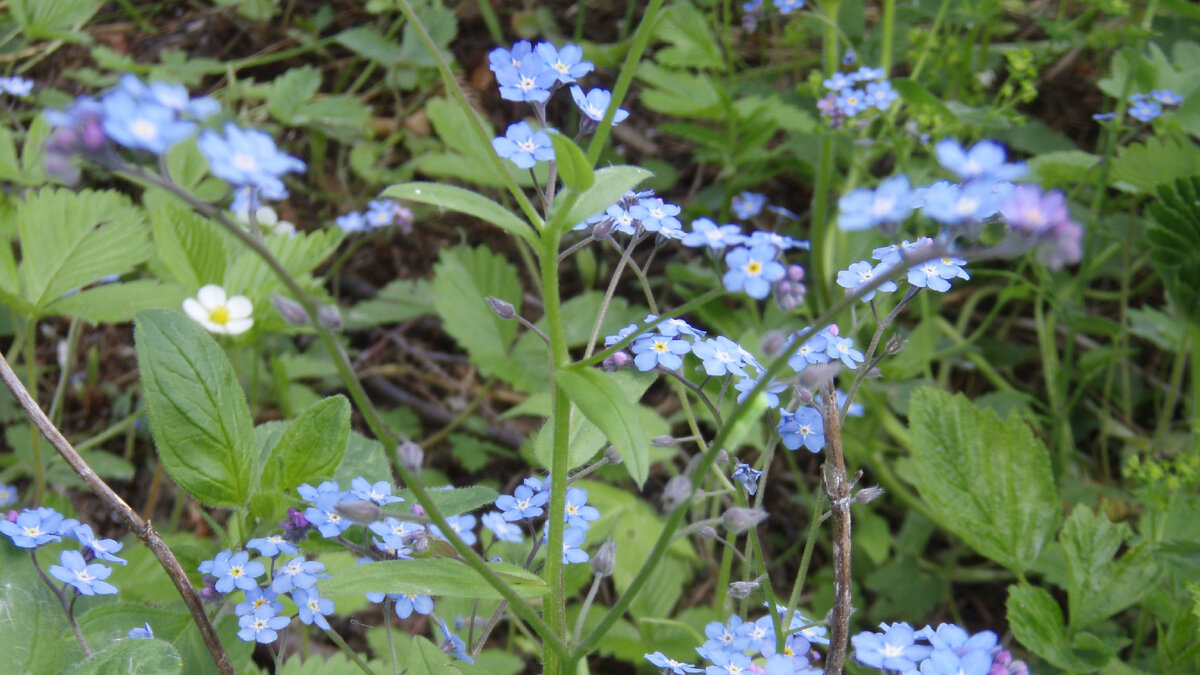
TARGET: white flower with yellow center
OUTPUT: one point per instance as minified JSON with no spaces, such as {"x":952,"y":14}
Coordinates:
{"x":218,"y":313}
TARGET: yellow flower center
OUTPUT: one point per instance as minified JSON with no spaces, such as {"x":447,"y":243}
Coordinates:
{"x":219,"y":315}
{"x":754,"y":268}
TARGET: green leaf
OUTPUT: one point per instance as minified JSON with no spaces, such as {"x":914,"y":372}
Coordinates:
{"x":451,"y":502}
{"x":693,"y":44}
{"x":312,"y":446}
{"x":679,"y":93}
{"x":368,"y":42}
{"x":1142,"y":167}
{"x":400,"y":300}
{"x":445,"y":577}
{"x":573,"y":166}
{"x":110,"y":623}
{"x":363,"y":457}
{"x":1036,"y":620}
{"x":70,"y":240}
{"x":31,"y":616}
{"x":989,"y":480}
{"x":193,"y":249}
{"x":1175,"y":243}
{"x":134,"y":657}
{"x":426,"y":658}
{"x":198,"y":413}
{"x":118,"y":303}
{"x":1097,"y":585}
{"x":299,"y":255}
{"x":464,"y":201}
{"x":53,"y":19}
{"x":917,"y":96}
{"x":462,"y":280}
{"x":586,"y":439}
{"x":613,"y":412}
{"x":611,"y":184}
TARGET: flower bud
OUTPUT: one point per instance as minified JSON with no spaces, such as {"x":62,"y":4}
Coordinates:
{"x":419,"y":542}
{"x":418,"y":510}
{"x":503,"y":309}
{"x":360,"y":511}
{"x":291,"y":311}
{"x":677,"y":491}
{"x":664,"y":441}
{"x":330,"y":317}
{"x":868,"y":494}
{"x":617,"y":361}
{"x":894,"y":345}
{"x":738,"y":519}
{"x":605,"y":558}
{"x":739,"y":590}
{"x":722,"y":456}
{"x":773,"y":342}
{"x":603,"y":229}
{"x":411,"y":456}
{"x":708,"y":532}
{"x":611,"y":454}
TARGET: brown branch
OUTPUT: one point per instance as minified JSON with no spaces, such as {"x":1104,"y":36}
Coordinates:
{"x":140,"y":527}
{"x":838,"y":488}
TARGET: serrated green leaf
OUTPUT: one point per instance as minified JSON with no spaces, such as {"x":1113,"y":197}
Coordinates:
{"x":198,"y":412}
{"x":692,"y":41}
{"x":1097,"y":585}
{"x":364,"y":457}
{"x":1036,"y":620}
{"x":573,"y":166}
{"x":300,"y":254}
{"x":1175,"y":243}
{"x":462,"y":280}
{"x":312,"y":446}
{"x":1142,"y":167}
{"x":70,"y":240}
{"x":118,"y":303}
{"x":10,"y":166}
{"x":192,"y":248}
{"x":53,"y":20}
{"x":400,"y":300}
{"x":989,"y":480}
{"x":608,"y":407}
{"x":368,"y":42}
{"x":679,"y":93}
{"x":445,"y":577}
{"x":465,"y":201}
{"x":611,"y":184}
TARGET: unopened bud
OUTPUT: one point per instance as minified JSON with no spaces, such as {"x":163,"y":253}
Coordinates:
{"x":611,"y":454}
{"x":722,"y":456}
{"x":868,"y":494}
{"x":738,"y":519}
{"x":360,"y":511}
{"x":291,"y":311}
{"x":330,"y":317}
{"x":739,"y":590}
{"x":418,"y":510}
{"x":411,"y":456}
{"x":795,"y":272}
{"x":419,"y":542}
{"x":605,"y":558}
{"x":664,"y":441}
{"x":503,"y":309}
{"x":894,"y":345}
{"x":773,"y":342}
{"x":708,"y":532}
{"x":677,"y":491}
{"x":603,"y":229}
{"x":617,"y":361}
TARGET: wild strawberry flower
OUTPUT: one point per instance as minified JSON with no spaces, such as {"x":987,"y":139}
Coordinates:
{"x":219,"y":313}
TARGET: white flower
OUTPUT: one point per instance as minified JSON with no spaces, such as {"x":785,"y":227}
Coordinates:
{"x":218,"y":313}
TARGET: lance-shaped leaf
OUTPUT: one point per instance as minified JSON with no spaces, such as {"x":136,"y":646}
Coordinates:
{"x":464,"y":201}
{"x":198,"y":413}
{"x":446,"y":577}
{"x":610,"y":409}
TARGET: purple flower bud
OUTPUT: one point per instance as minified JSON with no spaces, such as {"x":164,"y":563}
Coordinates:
{"x":330,"y":317}
{"x":664,"y":441}
{"x":605,"y":558}
{"x":418,"y":510}
{"x":291,"y":311}
{"x":795,"y":272}
{"x":708,"y":532}
{"x":738,"y":519}
{"x":503,"y":309}
{"x":411,"y":455}
{"x":677,"y":491}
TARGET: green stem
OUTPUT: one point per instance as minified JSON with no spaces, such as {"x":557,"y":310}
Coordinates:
{"x":889,"y":30}
{"x":1195,"y":335}
{"x":337,"y":640}
{"x":555,"y":601}
{"x":31,"y":377}
{"x":823,"y":231}
{"x":641,"y":39}
{"x":451,"y":85}
{"x":60,"y":389}
{"x":370,"y":414}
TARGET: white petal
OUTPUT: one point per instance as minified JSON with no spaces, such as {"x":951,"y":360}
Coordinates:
{"x":237,"y":326}
{"x":196,"y":311}
{"x":211,"y":296}
{"x":239,"y":307}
